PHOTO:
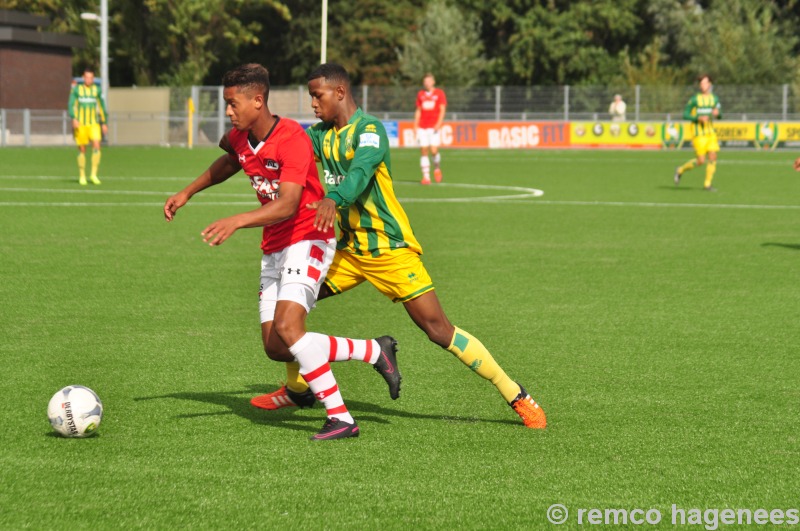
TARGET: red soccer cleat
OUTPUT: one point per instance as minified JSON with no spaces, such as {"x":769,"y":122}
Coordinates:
{"x":529,"y":411}
{"x":284,"y":397}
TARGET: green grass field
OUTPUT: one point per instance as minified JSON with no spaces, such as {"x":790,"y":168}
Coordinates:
{"x":658,"y":327}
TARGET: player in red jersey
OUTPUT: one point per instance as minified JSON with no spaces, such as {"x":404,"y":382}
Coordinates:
{"x":428,"y":119}
{"x":278,"y":157}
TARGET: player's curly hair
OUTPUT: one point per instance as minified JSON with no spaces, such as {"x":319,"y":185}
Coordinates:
{"x":250,"y":76}
{"x":331,"y":72}
{"x":703,"y":76}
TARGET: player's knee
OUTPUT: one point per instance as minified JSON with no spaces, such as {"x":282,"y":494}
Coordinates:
{"x":278,"y":353}
{"x":439,"y":332}
{"x":288,"y":331}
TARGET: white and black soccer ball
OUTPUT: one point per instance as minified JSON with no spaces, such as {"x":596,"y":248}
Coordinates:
{"x":75,"y":411}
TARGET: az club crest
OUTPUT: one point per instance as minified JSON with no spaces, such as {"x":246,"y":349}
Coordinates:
{"x":271,"y":165}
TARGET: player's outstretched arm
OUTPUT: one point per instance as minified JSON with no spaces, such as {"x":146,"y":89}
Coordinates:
{"x":219,"y":171}
{"x":797,"y":164}
{"x":282,"y":208}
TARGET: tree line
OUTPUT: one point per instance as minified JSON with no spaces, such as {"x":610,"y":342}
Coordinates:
{"x":465,"y":43}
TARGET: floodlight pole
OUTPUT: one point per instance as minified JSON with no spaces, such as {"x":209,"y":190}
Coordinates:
{"x":323,"y":54}
{"x":102,"y":19}
{"x":104,"y":47}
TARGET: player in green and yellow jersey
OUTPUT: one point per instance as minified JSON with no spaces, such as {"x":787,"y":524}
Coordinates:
{"x":702,"y":109}
{"x":89,"y":122}
{"x":376,"y":243}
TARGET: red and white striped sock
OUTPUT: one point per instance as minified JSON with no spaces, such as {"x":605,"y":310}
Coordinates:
{"x":425,"y":165}
{"x":312,"y":355}
{"x":345,"y":349}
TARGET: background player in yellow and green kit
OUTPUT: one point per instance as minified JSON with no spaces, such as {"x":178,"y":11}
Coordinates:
{"x":376,"y":243}
{"x":702,"y":109}
{"x":89,"y":122}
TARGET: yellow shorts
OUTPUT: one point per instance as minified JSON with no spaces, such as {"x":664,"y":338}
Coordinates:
{"x":704,"y":144}
{"x":399,"y":274}
{"x":86,"y":133}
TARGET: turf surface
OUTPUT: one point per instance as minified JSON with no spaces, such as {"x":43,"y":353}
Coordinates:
{"x":656,"y":325}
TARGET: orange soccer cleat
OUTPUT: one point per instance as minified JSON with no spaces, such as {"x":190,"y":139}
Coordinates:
{"x":437,"y":175}
{"x":528,"y":410}
{"x":284,"y":397}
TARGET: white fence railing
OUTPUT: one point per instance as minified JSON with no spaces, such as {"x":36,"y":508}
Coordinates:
{"x":30,"y":127}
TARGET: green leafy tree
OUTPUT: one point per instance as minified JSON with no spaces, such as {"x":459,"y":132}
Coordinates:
{"x":170,"y":42}
{"x":362,"y":37}
{"x":446,"y":42}
{"x":739,"y":41}
{"x":544,"y":42}
{"x":65,"y":17}
{"x":196,"y":33}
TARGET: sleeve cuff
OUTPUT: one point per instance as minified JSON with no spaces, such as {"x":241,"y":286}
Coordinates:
{"x":336,"y":198}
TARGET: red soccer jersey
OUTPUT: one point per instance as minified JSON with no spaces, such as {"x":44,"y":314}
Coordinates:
{"x":285,"y":155}
{"x":430,"y":106}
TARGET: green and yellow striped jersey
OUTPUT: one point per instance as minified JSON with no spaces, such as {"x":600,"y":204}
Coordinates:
{"x":702,"y":105}
{"x":86,"y":105}
{"x":358,"y":176}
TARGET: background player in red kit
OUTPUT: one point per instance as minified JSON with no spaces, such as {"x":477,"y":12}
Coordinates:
{"x":278,"y":157}
{"x":428,"y":119}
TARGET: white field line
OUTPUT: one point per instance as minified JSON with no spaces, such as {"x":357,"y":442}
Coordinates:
{"x":517,"y":195}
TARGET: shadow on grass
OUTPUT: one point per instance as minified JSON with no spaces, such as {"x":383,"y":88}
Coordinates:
{"x":286,"y":417}
{"x":678,"y":188}
{"x":793,"y":246}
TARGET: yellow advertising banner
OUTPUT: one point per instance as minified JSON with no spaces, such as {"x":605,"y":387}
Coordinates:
{"x":643,"y":135}
{"x":760,"y":135}
{"x":674,"y":135}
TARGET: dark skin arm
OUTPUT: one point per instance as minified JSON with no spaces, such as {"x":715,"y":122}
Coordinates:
{"x":282,"y":208}
{"x":219,"y":171}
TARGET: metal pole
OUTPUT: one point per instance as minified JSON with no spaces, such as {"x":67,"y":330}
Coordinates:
{"x":301,"y":91}
{"x":566,"y":103}
{"x":323,"y":53}
{"x":222,"y":108}
{"x":364,"y":97}
{"x":195,"y":124}
{"x":104,"y":47}
{"x":26,"y":126}
{"x":785,"y":109}
{"x":497,"y":90}
{"x":638,"y":87}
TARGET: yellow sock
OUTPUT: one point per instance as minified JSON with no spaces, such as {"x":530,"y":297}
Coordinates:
{"x":95,"y":162}
{"x":295,"y":382}
{"x":711,"y":167}
{"x":688,"y":166}
{"x":82,"y":165}
{"x":474,"y":355}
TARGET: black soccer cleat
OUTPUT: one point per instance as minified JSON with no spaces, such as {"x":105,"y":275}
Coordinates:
{"x":387,"y":365}
{"x":336,"y":429}
{"x":304,"y":399}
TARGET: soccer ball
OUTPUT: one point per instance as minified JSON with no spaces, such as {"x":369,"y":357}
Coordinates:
{"x":75,"y":411}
